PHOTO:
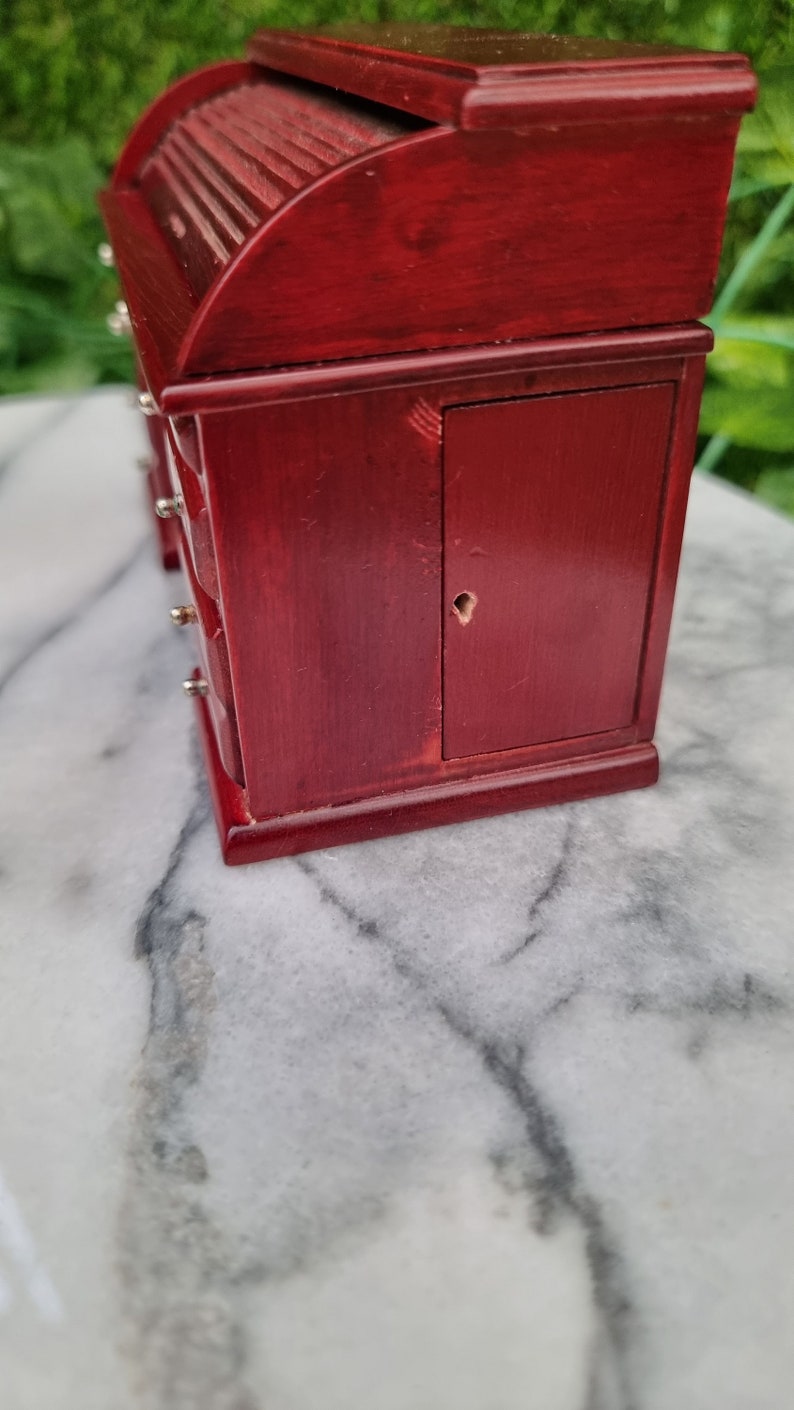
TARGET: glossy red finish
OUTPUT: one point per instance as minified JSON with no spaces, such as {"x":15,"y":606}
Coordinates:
{"x":551,"y":512}
{"x":245,"y":839}
{"x":637,"y":231}
{"x":281,"y":196}
{"x":158,"y":486}
{"x":177,"y":99}
{"x":407,"y":369}
{"x":433,"y":471}
{"x":330,"y":573}
{"x":486,"y":77}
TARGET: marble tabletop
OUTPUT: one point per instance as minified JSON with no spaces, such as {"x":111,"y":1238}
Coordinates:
{"x":490,"y":1117}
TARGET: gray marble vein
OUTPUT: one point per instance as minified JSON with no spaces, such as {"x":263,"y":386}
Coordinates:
{"x":494,"y":1117}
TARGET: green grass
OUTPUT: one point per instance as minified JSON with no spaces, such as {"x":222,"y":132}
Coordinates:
{"x":75,"y":74}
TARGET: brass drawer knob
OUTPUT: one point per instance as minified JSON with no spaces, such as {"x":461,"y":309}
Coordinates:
{"x":169,"y":508}
{"x":195,"y":687}
{"x":183,"y":615}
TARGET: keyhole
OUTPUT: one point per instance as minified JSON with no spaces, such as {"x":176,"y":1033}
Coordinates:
{"x":463,"y":607}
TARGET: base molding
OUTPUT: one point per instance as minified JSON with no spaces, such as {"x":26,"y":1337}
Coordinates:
{"x":247,"y":839}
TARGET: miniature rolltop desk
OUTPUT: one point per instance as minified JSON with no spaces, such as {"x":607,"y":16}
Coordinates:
{"x":414,"y":311}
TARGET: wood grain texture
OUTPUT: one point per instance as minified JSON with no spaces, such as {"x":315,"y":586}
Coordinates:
{"x":327,"y":523}
{"x":246,"y":839}
{"x":266,"y":221}
{"x":178,"y":98}
{"x":183,"y":434}
{"x":671,"y":532}
{"x":429,"y":394}
{"x":161,"y":303}
{"x":212,"y":654}
{"x":569,"y":229}
{"x":158,"y":486}
{"x":223,"y":168}
{"x":196,"y":557}
{"x":475,"y":77}
{"x":227,"y":392}
{"x":551,"y":509}
{"x":194,"y":522}
{"x":328,"y":555}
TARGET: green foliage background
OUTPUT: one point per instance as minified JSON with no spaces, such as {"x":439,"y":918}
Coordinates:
{"x":75,"y":74}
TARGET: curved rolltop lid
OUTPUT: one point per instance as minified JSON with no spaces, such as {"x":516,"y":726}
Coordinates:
{"x":224,"y":168}
{"x":375,"y":189}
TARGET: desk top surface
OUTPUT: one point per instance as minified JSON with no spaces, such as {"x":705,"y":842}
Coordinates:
{"x":438,"y":71}
{"x":490,"y":1116}
{"x":479,"y":53}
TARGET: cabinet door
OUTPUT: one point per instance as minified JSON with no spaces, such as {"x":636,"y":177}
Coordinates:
{"x":551,"y":516}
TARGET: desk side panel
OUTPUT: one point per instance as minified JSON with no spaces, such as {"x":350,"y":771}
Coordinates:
{"x":327,"y":531}
{"x":326,"y":516}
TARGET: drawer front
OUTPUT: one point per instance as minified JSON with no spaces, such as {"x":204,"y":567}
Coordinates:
{"x":197,"y":555}
{"x":158,"y":486}
{"x":551,"y":511}
{"x":211,"y":637}
{"x":158,"y":461}
{"x":227,"y":740}
{"x":183,"y":434}
{"x":199,"y":536}
{"x":215,"y":668}
{"x":195,"y":517}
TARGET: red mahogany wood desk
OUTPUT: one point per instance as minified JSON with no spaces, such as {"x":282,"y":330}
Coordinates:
{"x":415,"y":313}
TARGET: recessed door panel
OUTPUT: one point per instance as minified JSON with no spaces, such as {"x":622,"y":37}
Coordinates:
{"x":551,"y":511}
